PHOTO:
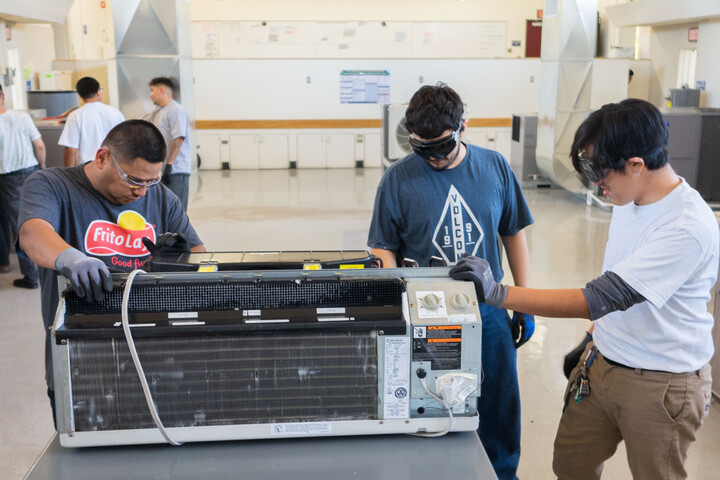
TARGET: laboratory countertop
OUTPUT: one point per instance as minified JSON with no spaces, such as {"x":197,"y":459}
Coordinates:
{"x":377,"y":457}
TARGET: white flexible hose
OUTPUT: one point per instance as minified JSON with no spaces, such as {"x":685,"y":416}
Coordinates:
{"x":136,"y":360}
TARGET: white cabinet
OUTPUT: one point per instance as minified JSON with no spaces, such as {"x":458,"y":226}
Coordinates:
{"x":262,"y":151}
{"x":372,"y":157}
{"x":207,"y":146}
{"x":316,"y":150}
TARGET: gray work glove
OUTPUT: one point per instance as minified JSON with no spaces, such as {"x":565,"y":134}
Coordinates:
{"x":89,"y":276}
{"x":167,"y":243}
{"x":477,"y":270}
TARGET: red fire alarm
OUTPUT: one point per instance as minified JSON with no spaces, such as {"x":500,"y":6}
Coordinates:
{"x":693,"y":34}
{"x":102,"y":4}
{"x":540,"y":13}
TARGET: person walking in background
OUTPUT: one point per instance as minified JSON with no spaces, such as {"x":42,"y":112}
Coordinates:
{"x":86,"y":127}
{"x":172,"y":120}
{"x":22,"y":152}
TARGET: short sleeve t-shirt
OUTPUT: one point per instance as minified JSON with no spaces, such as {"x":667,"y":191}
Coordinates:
{"x":66,"y":199}
{"x":668,"y":252}
{"x":17,"y":132}
{"x":420,"y":213}
{"x":172,"y":121}
{"x":87,"y":127}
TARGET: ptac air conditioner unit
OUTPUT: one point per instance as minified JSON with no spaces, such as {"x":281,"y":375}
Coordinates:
{"x":394,"y":134}
{"x":183,"y":357}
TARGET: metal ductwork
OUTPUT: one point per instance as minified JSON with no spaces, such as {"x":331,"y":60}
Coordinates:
{"x":152,"y":39}
{"x":568,"y":49}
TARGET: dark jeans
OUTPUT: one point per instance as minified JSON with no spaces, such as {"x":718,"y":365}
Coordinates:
{"x":499,"y":403}
{"x":179,"y":184}
{"x":10,"y":190}
{"x":4,"y":237}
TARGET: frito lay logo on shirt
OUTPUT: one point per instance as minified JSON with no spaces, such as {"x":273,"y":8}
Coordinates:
{"x":105,"y":238}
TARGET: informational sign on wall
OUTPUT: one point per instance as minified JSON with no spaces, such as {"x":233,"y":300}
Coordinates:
{"x":327,"y":40}
{"x":365,"y":86}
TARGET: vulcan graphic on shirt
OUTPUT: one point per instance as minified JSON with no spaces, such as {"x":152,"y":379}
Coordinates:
{"x":121,"y":239}
{"x":458,"y":231}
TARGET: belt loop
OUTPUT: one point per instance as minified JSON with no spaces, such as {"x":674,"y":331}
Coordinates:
{"x":638,"y":371}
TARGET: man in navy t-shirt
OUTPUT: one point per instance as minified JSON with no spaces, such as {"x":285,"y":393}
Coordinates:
{"x":448,"y":199}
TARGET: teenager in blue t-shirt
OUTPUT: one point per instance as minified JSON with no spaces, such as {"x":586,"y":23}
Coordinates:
{"x":447,"y":199}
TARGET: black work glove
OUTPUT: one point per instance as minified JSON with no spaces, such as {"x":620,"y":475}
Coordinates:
{"x":477,"y":270}
{"x":522,"y":327}
{"x":573,"y":358}
{"x":166,"y":174}
{"x":167,"y":243}
{"x":89,"y":276}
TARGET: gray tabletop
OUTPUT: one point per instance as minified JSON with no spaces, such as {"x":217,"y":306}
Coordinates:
{"x":396,"y":457}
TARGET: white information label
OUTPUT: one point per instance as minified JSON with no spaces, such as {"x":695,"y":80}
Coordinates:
{"x":295,"y":429}
{"x":463,"y":318}
{"x":182,"y":315}
{"x":329,"y":311}
{"x":396,"y":385}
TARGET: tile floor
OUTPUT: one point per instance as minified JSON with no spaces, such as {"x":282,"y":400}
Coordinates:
{"x":330,"y":209}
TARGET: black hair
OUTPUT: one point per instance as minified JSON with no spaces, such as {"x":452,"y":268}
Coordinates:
{"x":432,"y":110}
{"x":136,"y":138}
{"x":620,"y":131}
{"x":165,"y":81}
{"x":1,"y":90}
{"x":87,"y":87}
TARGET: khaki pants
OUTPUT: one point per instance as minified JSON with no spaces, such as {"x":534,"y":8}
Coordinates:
{"x":657,"y":415}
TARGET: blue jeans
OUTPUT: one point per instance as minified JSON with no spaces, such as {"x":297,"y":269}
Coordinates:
{"x":499,"y":403}
{"x":10,"y":190}
{"x":179,"y":184}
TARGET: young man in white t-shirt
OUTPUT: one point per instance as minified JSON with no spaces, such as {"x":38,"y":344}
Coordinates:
{"x":87,"y":127}
{"x":644,"y":378}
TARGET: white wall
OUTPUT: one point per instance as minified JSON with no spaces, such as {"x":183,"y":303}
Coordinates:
{"x":36,"y":46}
{"x":277,"y":89}
{"x":708,"y":66}
{"x":89,"y":31}
{"x":514,"y":12}
{"x":665,"y":45}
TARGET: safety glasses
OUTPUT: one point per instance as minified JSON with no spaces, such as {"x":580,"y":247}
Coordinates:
{"x":439,"y":148}
{"x":594,"y":172}
{"x":128,"y":180}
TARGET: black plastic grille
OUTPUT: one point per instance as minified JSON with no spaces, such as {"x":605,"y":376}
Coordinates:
{"x":225,"y":380}
{"x":223,"y":296}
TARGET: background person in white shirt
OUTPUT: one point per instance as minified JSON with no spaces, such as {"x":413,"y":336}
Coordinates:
{"x":22,"y":152}
{"x":87,"y":127}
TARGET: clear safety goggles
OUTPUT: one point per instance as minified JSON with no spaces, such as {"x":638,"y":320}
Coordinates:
{"x":130,"y":181}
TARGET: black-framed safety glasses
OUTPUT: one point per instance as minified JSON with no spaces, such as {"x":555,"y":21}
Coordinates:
{"x":439,"y":148}
{"x":128,"y":180}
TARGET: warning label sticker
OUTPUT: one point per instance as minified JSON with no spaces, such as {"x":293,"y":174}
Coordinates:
{"x":441,"y":346}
